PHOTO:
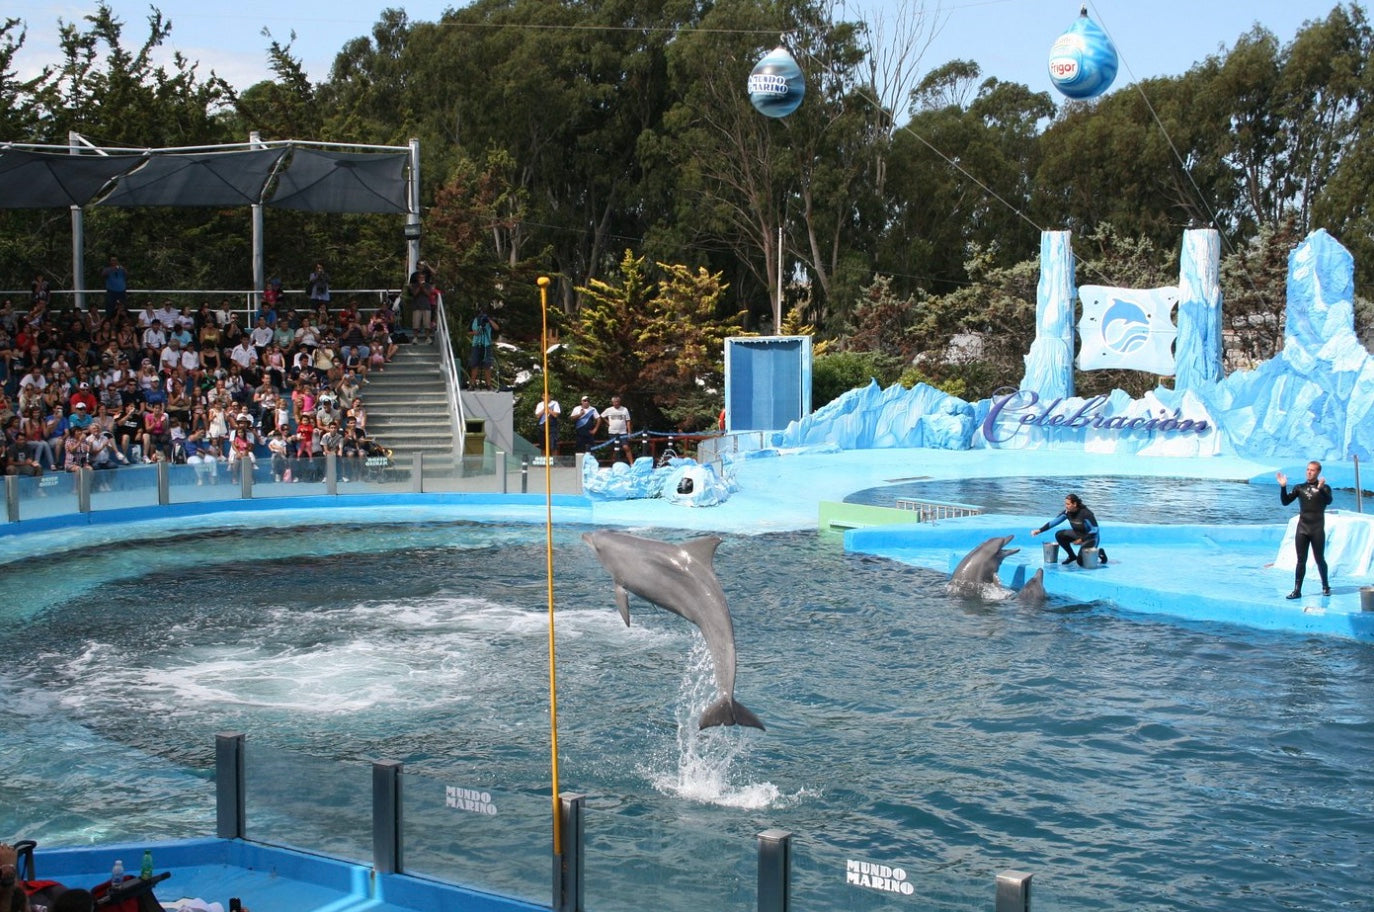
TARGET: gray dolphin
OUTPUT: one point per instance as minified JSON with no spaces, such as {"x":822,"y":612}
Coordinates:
{"x":679,"y":578}
{"x":978,"y":569}
{"x":1033,"y":592}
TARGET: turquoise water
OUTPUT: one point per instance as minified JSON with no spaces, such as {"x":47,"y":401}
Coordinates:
{"x":1126,"y":763}
{"x":1112,"y":498}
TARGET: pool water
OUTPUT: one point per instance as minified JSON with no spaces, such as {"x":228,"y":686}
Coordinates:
{"x":1126,"y":763}
{"x":1123,"y":498}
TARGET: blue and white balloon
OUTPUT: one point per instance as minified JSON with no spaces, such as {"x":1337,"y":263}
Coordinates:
{"x":1083,"y":60}
{"x":776,"y":86}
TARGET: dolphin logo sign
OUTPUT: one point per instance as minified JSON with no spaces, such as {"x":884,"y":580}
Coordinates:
{"x":679,"y":578}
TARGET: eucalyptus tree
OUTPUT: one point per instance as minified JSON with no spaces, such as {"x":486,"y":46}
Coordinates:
{"x":961,"y":176}
{"x":566,"y":91}
{"x":744,"y":176}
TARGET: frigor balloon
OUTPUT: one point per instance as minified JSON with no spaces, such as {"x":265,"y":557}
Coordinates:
{"x":1083,"y":60}
{"x":776,"y":86}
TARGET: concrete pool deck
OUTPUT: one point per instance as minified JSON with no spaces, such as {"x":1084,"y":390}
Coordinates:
{"x":1197,"y":573}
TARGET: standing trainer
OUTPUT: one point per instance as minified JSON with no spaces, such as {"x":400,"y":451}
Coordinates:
{"x":1315,"y":496}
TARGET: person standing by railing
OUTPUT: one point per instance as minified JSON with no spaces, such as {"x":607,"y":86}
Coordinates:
{"x":116,"y":279}
{"x":317,"y":286}
{"x":618,"y":428}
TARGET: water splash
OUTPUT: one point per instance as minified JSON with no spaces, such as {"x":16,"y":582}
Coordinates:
{"x":708,"y":765}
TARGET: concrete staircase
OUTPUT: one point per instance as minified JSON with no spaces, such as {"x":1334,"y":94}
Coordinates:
{"x":407,"y":408}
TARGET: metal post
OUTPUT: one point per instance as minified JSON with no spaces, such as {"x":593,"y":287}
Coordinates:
{"x":567,"y":868}
{"x":258,"y":231}
{"x":230,"y":806}
{"x":246,"y":478}
{"x":387,"y":808}
{"x":775,"y":870}
{"x":78,"y":237}
{"x":83,"y":489}
{"x":12,"y":497}
{"x":412,"y":229}
{"x":524,"y":474}
{"x":1359,"y":491}
{"x":1013,"y":892}
{"x":331,"y":473}
{"x":164,"y":484}
{"x":501,"y":469}
{"x":417,"y":473}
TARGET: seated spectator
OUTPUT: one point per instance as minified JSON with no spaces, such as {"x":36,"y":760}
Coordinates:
{"x":157,"y":433}
{"x":77,"y":449}
{"x":205,"y":460}
{"x":357,"y":412}
{"x":55,"y":432}
{"x":129,"y":431}
{"x":349,"y":387}
{"x":18,"y":460}
{"x":35,"y":433}
{"x":277,"y":446}
{"x":154,"y":339}
{"x":242,"y":441}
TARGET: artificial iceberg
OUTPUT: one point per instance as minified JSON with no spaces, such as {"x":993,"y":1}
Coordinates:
{"x":1314,"y":400}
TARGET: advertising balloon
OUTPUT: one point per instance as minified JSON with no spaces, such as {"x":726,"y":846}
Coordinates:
{"x":1083,"y":60}
{"x":776,"y":86}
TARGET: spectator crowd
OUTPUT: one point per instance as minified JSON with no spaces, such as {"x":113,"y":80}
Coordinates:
{"x":201,"y":387}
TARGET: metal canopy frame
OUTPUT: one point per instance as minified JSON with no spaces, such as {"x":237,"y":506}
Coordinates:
{"x":198,"y":175}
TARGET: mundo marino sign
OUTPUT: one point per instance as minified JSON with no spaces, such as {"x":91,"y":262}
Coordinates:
{"x":1023,"y":409}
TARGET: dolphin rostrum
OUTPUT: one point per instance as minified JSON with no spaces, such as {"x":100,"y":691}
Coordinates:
{"x":978,"y":570}
{"x":679,"y":578}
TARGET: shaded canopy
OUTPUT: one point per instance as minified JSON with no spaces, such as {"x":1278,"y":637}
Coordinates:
{"x":49,"y":180}
{"x":197,"y":179}
{"x":343,"y":182}
{"x":313,"y":180}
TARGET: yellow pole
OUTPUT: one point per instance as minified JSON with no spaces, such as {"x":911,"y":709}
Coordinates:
{"x":543,"y":282}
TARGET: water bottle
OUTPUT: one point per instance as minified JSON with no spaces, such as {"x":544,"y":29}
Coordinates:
{"x":117,"y":873}
{"x":146,"y":872}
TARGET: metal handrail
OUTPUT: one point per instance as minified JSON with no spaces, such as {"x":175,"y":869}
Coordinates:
{"x":448,"y":366}
{"x":936,"y":510}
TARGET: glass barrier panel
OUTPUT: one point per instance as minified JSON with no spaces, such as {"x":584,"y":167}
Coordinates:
{"x":445,"y":474}
{"x":464,"y":831}
{"x":49,"y":494}
{"x":878,"y":879}
{"x":123,"y":487}
{"x":636,"y":852}
{"x":323,"y":806}
{"x":203,"y":481}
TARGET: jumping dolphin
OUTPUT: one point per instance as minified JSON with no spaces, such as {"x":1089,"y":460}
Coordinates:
{"x":679,"y":578}
{"x":978,"y":569}
{"x":1033,"y":592}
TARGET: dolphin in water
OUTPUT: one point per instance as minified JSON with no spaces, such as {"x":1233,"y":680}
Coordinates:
{"x":1032,"y":594}
{"x":679,"y":578}
{"x":978,"y":570}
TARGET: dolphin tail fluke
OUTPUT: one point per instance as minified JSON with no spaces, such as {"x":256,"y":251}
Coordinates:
{"x":726,"y":711}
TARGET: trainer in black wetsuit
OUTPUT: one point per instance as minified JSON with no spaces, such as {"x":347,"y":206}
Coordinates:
{"x":1083,"y":529}
{"x":1314,"y":496}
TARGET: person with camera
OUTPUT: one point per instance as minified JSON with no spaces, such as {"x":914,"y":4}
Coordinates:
{"x":483,"y":356}
{"x":422,"y":294}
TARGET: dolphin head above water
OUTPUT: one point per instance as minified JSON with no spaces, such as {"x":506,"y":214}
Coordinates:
{"x":1033,"y":592}
{"x":978,"y":569}
{"x":679,"y":578}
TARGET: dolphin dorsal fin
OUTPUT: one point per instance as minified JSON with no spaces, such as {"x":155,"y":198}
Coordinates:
{"x":703,"y":549}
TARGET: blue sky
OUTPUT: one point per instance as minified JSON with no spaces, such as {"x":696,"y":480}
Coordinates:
{"x":1010,"y":39}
